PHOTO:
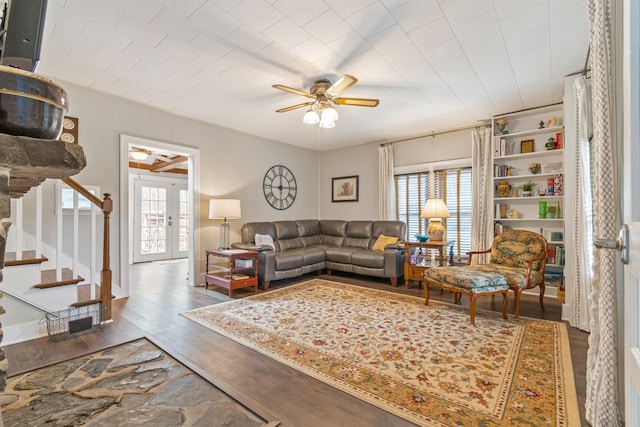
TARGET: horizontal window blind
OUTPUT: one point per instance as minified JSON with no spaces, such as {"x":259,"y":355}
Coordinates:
{"x":452,"y":185}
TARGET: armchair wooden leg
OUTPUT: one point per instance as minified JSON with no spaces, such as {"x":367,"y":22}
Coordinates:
{"x":472,"y":307}
{"x":394,"y":282}
{"x":542,"y":288}
{"x":516,"y":304}
{"x":505,"y":300}
{"x":426,"y":294}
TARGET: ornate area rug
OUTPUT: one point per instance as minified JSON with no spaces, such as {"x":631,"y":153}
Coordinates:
{"x":424,"y":363}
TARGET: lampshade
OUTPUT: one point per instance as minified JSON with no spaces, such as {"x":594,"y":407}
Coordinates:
{"x":329,"y":113}
{"x":224,"y":209}
{"x":435,"y":208}
{"x":327,"y":123}
{"x":310,"y":117}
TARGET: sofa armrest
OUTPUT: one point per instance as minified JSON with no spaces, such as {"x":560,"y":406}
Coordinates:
{"x":250,"y":247}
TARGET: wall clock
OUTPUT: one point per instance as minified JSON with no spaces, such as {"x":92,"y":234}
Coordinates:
{"x":279,"y":186}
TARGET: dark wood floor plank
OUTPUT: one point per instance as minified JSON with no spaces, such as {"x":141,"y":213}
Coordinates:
{"x":159,"y":292}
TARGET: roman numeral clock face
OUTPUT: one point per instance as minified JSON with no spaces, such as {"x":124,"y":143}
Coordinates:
{"x":280,"y":187}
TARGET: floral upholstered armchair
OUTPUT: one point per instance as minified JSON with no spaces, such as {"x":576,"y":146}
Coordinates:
{"x":520,"y":256}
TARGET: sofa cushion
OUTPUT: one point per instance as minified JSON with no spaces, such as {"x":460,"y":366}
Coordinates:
{"x":358,"y":234}
{"x":309,"y":232}
{"x":332,"y":231}
{"x":250,"y":229}
{"x":338,"y":254}
{"x":287,"y":236}
{"x":312,"y":255}
{"x":367,"y":258}
{"x":289,"y":260}
{"x":382,"y":241}
{"x":389,"y":228}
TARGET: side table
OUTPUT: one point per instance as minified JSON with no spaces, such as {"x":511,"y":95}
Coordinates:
{"x":231,"y":269}
{"x":414,"y":267}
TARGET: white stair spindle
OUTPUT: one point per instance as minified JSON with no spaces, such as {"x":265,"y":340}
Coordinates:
{"x":18,"y":226}
{"x":38,"y":221}
{"x":59,"y":236}
{"x":92,"y":280}
{"x":76,"y":221}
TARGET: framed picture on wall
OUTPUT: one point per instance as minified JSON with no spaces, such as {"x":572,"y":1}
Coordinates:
{"x":344,"y":189}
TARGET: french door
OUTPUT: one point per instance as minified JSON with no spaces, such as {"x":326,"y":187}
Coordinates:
{"x":161,"y":220}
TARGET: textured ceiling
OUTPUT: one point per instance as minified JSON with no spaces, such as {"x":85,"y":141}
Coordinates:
{"x":434,"y":64}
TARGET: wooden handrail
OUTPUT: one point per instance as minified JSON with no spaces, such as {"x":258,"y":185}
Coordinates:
{"x":86,"y":193}
{"x":106,"y":206}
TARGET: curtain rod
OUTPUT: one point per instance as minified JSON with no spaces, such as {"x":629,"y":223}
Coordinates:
{"x":432,"y":134}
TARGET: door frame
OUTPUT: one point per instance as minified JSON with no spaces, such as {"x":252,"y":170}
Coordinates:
{"x":171,"y":182}
{"x":126,"y":192}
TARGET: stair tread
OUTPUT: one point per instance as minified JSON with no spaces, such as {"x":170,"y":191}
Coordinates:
{"x":28,"y":257}
{"x":48,"y":278}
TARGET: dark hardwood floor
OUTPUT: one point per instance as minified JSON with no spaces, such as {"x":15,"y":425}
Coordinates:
{"x":270,"y":389}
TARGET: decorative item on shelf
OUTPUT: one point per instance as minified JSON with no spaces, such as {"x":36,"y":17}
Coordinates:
{"x":503,"y":188}
{"x":514,"y":214}
{"x":553,"y":121}
{"x":526,"y":146}
{"x":551,"y":144}
{"x":558,"y":184}
{"x":558,"y":211}
{"x":534,"y":168}
{"x":501,"y":126}
{"x":542,"y":210}
{"x":435,"y":209}
{"x":550,"y":187}
{"x":542,"y":192}
{"x":556,"y":236}
{"x":224,"y":209}
{"x":502,"y":209}
{"x":527,"y":188}
{"x":541,"y":124}
{"x":551,"y":212}
{"x":422,"y":237}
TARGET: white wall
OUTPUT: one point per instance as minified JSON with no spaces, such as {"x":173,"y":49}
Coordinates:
{"x":362,"y":160}
{"x":233,"y":164}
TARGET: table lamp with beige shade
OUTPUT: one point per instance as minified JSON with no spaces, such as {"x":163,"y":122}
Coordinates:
{"x":435,"y":209}
{"x":224,"y":209}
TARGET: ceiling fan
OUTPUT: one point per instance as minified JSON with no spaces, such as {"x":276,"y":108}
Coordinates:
{"x":323,"y":94}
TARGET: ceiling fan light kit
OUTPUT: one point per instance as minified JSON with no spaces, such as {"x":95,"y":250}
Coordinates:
{"x":324,"y":94}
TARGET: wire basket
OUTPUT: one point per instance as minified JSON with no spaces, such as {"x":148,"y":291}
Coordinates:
{"x":66,"y":323}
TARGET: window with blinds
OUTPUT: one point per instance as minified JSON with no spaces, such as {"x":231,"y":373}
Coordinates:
{"x":452,"y":185}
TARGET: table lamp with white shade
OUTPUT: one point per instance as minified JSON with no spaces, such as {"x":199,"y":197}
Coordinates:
{"x":435,"y":209}
{"x":224,"y":209}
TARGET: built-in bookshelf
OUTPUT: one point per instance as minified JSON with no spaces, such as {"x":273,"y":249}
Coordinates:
{"x":530,"y":149}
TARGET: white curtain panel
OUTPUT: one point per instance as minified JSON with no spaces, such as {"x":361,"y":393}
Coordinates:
{"x":602,"y":398}
{"x":387,"y":188}
{"x":481,"y":206}
{"x":579,"y":294}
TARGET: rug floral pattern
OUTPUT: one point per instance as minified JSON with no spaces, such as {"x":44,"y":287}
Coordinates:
{"x":427,"y":364}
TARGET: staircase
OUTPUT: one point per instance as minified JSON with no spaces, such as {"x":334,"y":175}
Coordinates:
{"x":47,"y":280}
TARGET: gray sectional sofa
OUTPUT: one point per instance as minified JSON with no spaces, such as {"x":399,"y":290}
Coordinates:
{"x":304,"y":246}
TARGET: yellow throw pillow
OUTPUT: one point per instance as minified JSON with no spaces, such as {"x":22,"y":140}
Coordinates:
{"x":383,"y":241}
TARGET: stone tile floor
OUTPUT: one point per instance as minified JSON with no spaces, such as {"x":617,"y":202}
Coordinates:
{"x":133,"y":384}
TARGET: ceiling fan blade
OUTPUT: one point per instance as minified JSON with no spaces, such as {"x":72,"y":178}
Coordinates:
{"x":342,"y":84}
{"x":358,"y":102}
{"x":294,"y":107}
{"x":292,"y":90}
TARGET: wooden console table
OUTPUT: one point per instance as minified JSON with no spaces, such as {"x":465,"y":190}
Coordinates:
{"x":233,"y":269}
{"x":416,"y":271}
